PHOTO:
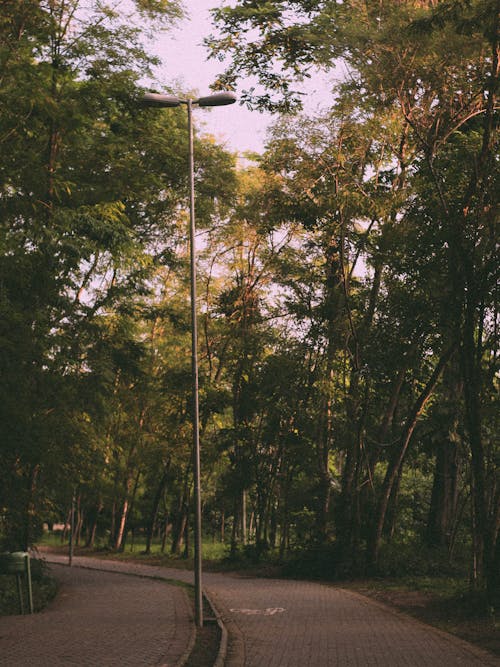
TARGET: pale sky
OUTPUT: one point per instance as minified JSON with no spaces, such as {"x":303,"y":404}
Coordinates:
{"x":185,"y":60}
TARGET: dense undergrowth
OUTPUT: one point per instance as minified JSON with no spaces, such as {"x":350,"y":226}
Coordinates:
{"x":44,"y":590}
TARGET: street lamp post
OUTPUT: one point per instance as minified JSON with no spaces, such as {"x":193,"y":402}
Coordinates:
{"x":215,"y":100}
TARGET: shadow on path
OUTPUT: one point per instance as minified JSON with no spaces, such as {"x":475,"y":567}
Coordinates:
{"x":101,"y":619}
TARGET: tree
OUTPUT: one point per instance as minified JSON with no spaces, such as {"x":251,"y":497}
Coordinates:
{"x":401,"y":65}
{"x":69,"y":229}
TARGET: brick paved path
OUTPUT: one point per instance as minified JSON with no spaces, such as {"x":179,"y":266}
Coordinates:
{"x":323,"y":626}
{"x":101,"y":620}
{"x":281,"y":623}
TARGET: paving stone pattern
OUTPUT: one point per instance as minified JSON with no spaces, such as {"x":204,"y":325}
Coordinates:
{"x":101,"y":620}
{"x":282,"y":623}
{"x":323,"y":626}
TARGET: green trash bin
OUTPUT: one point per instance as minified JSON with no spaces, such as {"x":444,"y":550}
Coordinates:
{"x":18,"y":563}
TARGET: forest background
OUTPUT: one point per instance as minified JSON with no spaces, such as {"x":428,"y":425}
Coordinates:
{"x":348,"y":286}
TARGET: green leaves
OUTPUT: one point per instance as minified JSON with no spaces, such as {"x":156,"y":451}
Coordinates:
{"x":74,"y":246}
{"x":165,"y":11}
{"x":274,"y":43}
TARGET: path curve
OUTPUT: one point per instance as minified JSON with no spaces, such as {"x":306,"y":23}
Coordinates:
{"x":101,"y":620}
{"x":283,"y":623}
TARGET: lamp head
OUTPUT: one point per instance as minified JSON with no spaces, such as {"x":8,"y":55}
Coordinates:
{"x":158,"y":100}
{"x":217,"y":99}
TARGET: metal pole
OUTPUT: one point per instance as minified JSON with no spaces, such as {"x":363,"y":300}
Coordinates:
{"x":20,"y":593}
{"x":30,"y":587}
{"x":72,"y":530}
{"x":194,"y":365}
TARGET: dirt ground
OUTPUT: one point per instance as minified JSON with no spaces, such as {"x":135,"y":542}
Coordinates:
{"x":440,"y":613}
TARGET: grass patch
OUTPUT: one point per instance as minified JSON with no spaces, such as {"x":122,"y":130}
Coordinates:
{"x":216,"y":556}
{"x":213,"y":552}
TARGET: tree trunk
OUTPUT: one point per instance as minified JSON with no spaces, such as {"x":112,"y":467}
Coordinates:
{"x":79,"y":520}
{"x":186,"y":537}
{"x":397,"y":458}
{"x":93,"y":527}
{"x":472,"y":393}
{"x":493,"y":581}
{"x":285,"y":516}
{"x":234,"y":530}
{"x":244,"y":517}
{"x":165,"y":532}
{"x":156,"y":504}
{"x":128,"y":501}
{"x":67,"y":524}
{"x":112,"y":527}
{"x":335,"y":304}
{"x":179,"y":531}
{"x":27,"y":534}
{"x":121,"y":525}
{"x":180,"y":518}
{"x":348,"y":515}
{"x":392,"y":507}
{"x":444,"y":496}
{"x":223,"y":527}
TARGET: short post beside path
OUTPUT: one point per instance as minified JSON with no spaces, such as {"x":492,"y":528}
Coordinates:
{"x":18,"y":563}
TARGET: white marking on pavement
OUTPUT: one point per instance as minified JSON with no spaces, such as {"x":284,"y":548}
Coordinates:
{"x":270,"y":611}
